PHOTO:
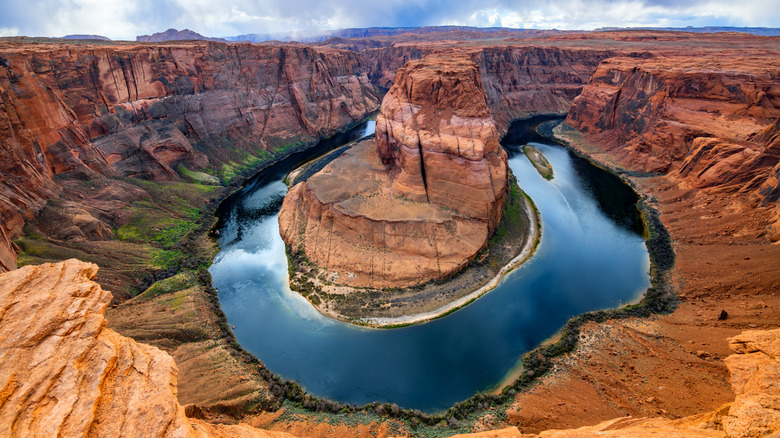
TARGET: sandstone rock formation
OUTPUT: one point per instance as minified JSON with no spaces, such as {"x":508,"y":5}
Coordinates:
{"x":63,"y":373}
{"x":755,"y":378}
{"x":144,"y":111}
{"x":422,"y":204}
{"x":709,"y":122}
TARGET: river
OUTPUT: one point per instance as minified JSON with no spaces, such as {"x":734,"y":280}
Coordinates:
{"x":592,"y":256}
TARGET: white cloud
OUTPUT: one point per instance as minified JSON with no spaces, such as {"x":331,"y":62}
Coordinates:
{"x":9,"y":31}
{"x":127,"y":18}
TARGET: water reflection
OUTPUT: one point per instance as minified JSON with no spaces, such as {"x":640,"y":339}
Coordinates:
{"x":587,"y":260}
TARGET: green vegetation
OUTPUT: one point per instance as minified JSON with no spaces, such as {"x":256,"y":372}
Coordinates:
{"x":197,"y":177}
{"x":182,"y":280}
{"x":539,"y":162}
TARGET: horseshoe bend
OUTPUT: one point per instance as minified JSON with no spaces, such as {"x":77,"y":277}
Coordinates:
{"x":119,"y":154}
{"x":416,"y":204}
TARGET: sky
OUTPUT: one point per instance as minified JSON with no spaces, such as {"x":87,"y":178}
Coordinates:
{"x":125,"y":19}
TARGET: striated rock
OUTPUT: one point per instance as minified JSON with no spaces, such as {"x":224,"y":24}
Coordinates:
{"x":423,"y":202}
{"x":144,"y":111}
{"x":755,"y":378}
{"x":437,"y":138}
{"x":63,"y":373}
{"x":662,"y":114}
{"x":525,"y":81}
{"x":710,"y":122}
{"x":519,"y":81}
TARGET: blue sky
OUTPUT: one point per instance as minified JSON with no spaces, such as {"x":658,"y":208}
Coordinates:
{"x":125,"y":19}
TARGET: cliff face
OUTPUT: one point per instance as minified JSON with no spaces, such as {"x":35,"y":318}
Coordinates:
{"x":523,"y":81}
{"x":65,"y":374}
{"x":519,"y":81}
{"x":438,"y":139}
{"x":709,"y":123}
{"x":422,"y":202}
{"x":143,"y":111}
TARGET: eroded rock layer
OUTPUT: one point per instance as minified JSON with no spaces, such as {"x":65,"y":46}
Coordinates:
{"x":146,"y":110}
{"x":710,"y":122}
{"x":423,"y":202}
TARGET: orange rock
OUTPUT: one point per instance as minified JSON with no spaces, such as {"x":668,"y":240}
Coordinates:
{"x":65,"y":374}
{"x":423,"y":211}
{"x":709,"y":121}
{"x":755,"y":378}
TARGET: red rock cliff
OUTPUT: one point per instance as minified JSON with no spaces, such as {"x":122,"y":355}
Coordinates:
{"x":422,"y":202}
{"x":143,"y":110}
{"x":519,"y":80}
{"x":710,"y":122}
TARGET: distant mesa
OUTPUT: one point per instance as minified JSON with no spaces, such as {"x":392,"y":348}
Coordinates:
{"x":175,"y":35}
{"x":85,"y":37}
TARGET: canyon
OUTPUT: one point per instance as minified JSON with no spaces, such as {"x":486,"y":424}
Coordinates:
{"x":85,"y":113}
{"x":690,"y":121}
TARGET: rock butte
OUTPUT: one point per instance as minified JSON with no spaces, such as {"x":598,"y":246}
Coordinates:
{"x":421,"y":203}
{"x":65,"y":374}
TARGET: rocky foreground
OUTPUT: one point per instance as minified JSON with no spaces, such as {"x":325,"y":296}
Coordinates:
{"x":422,"y":203}
{"x":64,"y":373}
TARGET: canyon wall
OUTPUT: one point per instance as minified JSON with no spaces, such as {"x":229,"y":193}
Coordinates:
{"x":524,"y":81}
{"x":519,"y":80}
{"x":145,"y":111}
{"x":710,"y":122}
{"x":421,"y":203}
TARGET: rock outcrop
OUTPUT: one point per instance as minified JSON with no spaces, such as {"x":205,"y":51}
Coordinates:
{"x":63,"y":373}
{"x":755,"y":378}
{"x":146,"y":111}
{"x":422,"y":202}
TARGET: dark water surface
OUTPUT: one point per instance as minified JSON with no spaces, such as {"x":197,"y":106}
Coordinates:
{"x":592,"y":256}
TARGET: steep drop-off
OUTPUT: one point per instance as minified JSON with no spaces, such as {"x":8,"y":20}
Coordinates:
{"x":424,"y":202}
{"x":65,"y":374}
{"x":148,"y":111}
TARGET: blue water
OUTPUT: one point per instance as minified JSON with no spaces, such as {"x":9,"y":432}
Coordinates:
{"x":589,"y":259}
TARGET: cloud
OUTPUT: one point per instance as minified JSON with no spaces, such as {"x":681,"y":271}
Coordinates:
{"x":9,"y":31}
{"x":124,"y":19}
